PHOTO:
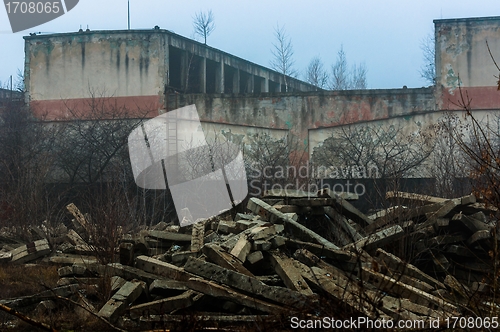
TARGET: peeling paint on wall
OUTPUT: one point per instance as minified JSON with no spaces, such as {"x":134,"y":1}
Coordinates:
{"x":452,"y":80}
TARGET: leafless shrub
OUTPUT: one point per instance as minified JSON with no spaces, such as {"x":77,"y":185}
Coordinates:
{"x":203,"y":24}
{"x":316,"y":74}
{"x":25,"y":161}
{"x":428,"y":69}
{"x":343,"y":78}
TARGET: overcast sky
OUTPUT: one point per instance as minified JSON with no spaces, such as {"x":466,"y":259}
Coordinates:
{"x":385,"y":35}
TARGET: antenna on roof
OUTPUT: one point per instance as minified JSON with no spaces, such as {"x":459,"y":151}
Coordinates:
{"x":128,"y":4}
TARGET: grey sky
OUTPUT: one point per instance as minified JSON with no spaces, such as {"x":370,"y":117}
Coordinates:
{"x":384,"y":34}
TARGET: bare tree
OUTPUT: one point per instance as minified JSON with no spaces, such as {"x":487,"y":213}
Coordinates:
{"x":358,"y":77}
{"x":479,"y":140}
{"x":387,"y":149}
{"x":449,"y":166}
{"x":273,"y":161}
{"x":316,"y":74}
{"x":282,"y":51}
{"x":204,"y":24}
{"x":94,"y":143}
{"x":340,"y":73}
{"x":26,"y":156}
{"x":380,"y":156}
{"x":428,"y":69}
{"x":343,"y":78}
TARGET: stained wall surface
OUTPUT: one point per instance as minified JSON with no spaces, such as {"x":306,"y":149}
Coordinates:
{"x":463,"y":59}
{"x":154,"y":71}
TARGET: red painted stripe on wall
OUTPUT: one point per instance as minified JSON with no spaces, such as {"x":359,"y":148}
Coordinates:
{"x":484,"y":97}
{"x":98,"y":108}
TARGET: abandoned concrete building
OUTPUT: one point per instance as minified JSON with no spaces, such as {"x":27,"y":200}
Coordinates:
{"x":159,"y":71}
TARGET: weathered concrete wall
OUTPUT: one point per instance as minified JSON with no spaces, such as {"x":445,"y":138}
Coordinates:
{"x":70,"y":68}
{"x":301,"y":112}
{"x":422,"y":126}
{"x":134,"y":68}
{"x":462,"y":57}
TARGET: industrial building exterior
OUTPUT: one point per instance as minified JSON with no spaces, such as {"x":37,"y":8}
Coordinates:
{"x":157,"y":71}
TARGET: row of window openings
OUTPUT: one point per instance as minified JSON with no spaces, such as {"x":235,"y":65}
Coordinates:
{"x":185,"y":76}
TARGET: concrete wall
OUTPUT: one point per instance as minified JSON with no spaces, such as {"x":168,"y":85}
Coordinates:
{"x":140,"y":69}
{"x":135,"y":68}
{"x":70,"y":68}
{"x":301,"y":112}
{"x":462,"y":57}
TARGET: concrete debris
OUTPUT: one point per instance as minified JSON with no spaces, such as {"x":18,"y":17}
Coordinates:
{"x":288,"y":253}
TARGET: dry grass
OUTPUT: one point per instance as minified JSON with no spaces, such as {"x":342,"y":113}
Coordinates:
{"x":23,"y":280}
{"x":26,"y":280}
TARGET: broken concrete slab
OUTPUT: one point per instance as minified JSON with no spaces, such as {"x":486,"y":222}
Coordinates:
{"x":242,"y":225}
{"x":471,"y":223}
{"x":395,"y":263}
{"x":128,"y":273}
{"x":272,"y":215}
{"x":180,"y":257}
{"x":5,"y":257}
{"x":457,"y":287}
{"x":169,"y":236}
{"x":242,"y":249}
{"x":343,"y":222}
{"x":230,"y":242}
{"x":304,"y":233}
{"x":319,"y":250}
{"x":262,"y":232}
{"x":219,"y":256}
{"x":157,"y":267}
{"x":119,"y":302}
{"x":65,"y":281}
{"x":308,"y":258}
{"x":69,"y":259}
{"x":82,"y":225}
{"x":163,"y":286}
{"x":126,"y":251}
{"x":479,"y":236}
{"x":116,"y":283}
{"x":163,"y":306}
{"x":246,"y":283}
{"x":347,"y":209}
{"x":243,"y":216}
{"x":227,"y":227}
{"x":341,"y":289}
{"x":30,"y":251}
{"x":379,"y":239}
{"x":440,"y":261}
{"x":222,"y":292}
{"x":197,"y":236}
{"x":417,"y":296}
{"x":277,"y":241}
{"x":261,"y":245}
{"x":290,"y":275}
{"x":266,"y":211}
{"x":442,"y":240}
{"x":255,"y":257}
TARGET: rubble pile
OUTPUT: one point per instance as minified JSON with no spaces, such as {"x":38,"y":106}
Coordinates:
{"x":293,"y":254}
